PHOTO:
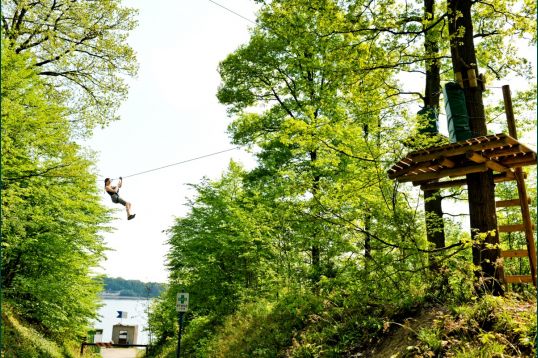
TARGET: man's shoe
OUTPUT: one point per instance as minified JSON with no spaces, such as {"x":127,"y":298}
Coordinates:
{"x":131,"y":216}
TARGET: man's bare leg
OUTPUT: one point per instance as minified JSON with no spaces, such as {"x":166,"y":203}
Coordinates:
{"x":128,"y":208}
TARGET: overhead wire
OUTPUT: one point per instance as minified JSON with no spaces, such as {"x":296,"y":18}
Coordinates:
{"x":181,"y":162}
{"x":233,"y":12}
{"x":207,"y":155}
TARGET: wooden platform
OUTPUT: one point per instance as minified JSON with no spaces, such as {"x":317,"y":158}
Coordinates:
{"x":498,"y":152}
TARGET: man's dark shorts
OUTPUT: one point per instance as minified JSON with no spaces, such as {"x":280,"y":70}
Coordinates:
{"x":117,"y":200}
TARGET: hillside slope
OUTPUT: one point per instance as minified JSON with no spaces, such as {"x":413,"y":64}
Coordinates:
{"x":21,"y":340}
{"x":484,"y":327}
{"x":489,"y":327}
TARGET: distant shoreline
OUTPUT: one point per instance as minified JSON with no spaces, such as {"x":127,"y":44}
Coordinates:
{"x":105,"y":296}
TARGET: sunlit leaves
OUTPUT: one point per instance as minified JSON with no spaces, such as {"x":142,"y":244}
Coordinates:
{"x":51,"y":216}
{"x":80,"y":49}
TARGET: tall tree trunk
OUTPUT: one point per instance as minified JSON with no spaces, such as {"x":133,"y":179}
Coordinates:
{"x":367,"y":220}
{"x":481,"y":188}
{"x":435,"y":229}
{"x":315,"y":250}
{"x":367,"y":245}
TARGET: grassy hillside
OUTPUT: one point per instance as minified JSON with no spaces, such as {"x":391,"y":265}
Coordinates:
{"x":489,"y":327}
{"x":303,"y":326}
{"x":21,"y":340}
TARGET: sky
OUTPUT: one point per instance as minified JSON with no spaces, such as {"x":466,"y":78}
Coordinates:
{"x":171,"y":115}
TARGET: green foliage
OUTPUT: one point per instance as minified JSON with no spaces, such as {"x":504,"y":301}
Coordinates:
{"x":62,"y":63}
{"x":431,"y":338}
{"x":216,"y":252}
{"x":22,"y":341}
{"x":311,"y":252}
{"x":163,"y":317}
{"x":263,"y":329}
{"x":133,"y":288}
{"x":51,"y":215}
{"x":80,"y":51}
{"x":490,"y":326}
{"x":321,"y":137}
{"x":198,"y":334}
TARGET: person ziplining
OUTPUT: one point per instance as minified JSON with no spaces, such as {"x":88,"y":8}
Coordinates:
{"x":113,"y":191}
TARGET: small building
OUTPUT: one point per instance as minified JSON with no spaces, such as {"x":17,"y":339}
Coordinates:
{"x":124,"y":334}
{"x":98,"y":335}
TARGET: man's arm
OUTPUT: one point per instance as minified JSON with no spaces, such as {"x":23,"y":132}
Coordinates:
{"x":112,"y":188}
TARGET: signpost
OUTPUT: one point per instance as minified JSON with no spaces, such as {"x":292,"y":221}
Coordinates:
{"x":182,"y":306}
{"x":182,"y":302}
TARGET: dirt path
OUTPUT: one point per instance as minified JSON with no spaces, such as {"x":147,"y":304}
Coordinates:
{"x":405,"y":334}
{"x":119,"y":352}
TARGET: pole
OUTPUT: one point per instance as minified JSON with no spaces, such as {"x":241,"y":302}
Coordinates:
{"x":178,"y":350}
{"x":82,"y":345}
{"x":509,"y":111}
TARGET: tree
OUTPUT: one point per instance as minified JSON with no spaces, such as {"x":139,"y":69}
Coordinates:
{"x":314,"y":92}
{"x":136,"y":287}
{"x":432,"y":198}
{"x":300,"y":69}
{"x":216,"y":251}
{"x":51,"y":216}
{"x":498,"y":25}
{"x":80,"y":51}
{"x":480,"y":186}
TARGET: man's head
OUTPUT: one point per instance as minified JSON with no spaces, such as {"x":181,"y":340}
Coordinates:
{"x":107,"y":181}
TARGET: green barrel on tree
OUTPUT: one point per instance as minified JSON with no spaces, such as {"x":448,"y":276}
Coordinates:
{"x":456,"y":113}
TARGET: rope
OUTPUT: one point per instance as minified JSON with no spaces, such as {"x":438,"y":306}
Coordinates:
{"x":182,"y":162}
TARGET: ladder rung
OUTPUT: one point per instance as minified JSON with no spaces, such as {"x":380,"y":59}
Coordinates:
{"x":518,"y":279}
{"x":512,"y":228}
{"x":507,"y":203}
{"x":514,"y":253}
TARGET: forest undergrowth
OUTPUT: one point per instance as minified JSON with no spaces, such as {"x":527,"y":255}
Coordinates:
{"x":307,"y":325}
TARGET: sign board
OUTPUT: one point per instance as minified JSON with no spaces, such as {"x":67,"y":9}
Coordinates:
{"x":121,"y":314}
{"x":182,"y":302}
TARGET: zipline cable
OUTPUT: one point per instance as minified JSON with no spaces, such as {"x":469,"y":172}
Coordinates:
{"x":182,"y":162}
{"x":233,"y":12}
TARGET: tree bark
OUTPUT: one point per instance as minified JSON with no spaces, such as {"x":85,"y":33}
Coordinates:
{"x":435,"y":230}
{"x":315,"y":249}
{"x":481,"y":188}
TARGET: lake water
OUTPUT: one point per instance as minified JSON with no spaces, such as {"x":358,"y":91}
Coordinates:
{"x":136,"y":309}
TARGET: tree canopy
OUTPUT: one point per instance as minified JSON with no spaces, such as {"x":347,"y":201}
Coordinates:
{"x":319,"y":95}
{"x":133,"y":288}
{"x":63,"y":64}
{"x":51,"y":215}
{"x":79,"y":49}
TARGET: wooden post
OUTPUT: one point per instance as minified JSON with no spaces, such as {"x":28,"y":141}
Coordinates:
{"x":523,"y":198}
{"x":508,"y":109}
{"x":471,"y":75}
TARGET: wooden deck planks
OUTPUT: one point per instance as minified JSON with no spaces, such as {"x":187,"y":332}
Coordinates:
{"x":498,"y":152}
